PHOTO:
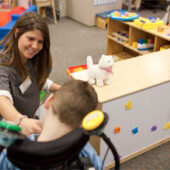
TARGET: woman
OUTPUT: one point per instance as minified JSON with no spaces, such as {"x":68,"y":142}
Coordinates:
{"x":25,"y":65}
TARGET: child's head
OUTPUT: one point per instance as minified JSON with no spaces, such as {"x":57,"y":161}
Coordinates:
{"x":29,"y":39}
{"x":73,"y":101}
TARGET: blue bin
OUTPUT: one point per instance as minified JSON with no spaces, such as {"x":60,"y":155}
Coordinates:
{"x":6,"y":28}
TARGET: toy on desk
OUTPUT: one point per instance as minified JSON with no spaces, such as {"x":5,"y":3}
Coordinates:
{"x":123,"y":15}
{"x":148,"y":23}
{"x":100,"y":73}
{"x":76,"y":69}
{"x":145,"y":44}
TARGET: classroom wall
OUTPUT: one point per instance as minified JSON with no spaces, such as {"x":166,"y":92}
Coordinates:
{"x":85,"y":12}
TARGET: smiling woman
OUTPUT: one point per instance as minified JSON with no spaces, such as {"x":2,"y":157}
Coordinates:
{"x":25,"y":64}
{"x":30,"y":44}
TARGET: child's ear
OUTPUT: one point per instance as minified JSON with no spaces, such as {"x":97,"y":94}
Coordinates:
{"x":16,"y":30}
{"x":48,"y":102}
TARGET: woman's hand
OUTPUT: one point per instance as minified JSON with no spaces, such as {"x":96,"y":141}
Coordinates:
{"x":9,"y":112}
{"x":30,"y":126}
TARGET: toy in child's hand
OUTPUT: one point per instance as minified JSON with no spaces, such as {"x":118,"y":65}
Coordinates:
{"x":123,"y":15}
{"x":9,"y":133}
{"x":100,"y":73}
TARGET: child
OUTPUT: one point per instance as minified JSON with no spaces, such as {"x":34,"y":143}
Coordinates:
{"x":64,"y":112}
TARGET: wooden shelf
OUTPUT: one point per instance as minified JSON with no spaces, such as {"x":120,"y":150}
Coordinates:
{"x":117,"y":44}
{"x":120,"y":36}
{"x":125,"y":44}
{"x":122,"y":56}
{"x":5,"y":10}
{"x":13,"y":5}
{"x":115,"y":39}
{"x":136,"y":50}
{"x":153,"y":31}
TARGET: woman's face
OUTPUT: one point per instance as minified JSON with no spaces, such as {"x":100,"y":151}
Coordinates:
{"x":30,"y":43}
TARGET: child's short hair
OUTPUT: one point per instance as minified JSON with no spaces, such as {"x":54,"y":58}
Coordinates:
{"x":73,"y":101}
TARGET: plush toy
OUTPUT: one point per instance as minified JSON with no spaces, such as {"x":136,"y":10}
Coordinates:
{"x":100,"y":73}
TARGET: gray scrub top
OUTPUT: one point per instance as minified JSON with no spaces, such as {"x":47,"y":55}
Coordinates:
{"x":28,"y":102}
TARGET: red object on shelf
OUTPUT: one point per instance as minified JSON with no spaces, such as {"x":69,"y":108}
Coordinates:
{"x":76,"y":69}
{"x":6,"y":16}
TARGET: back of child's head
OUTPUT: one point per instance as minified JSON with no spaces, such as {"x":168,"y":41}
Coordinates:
{"x":73,"y":101}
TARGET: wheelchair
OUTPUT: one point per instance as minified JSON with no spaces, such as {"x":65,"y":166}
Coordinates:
{"x":60,"y":154}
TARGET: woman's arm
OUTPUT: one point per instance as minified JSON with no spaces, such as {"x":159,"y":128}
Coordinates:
{"x":9,"y":112}
{"x":51,"y":86}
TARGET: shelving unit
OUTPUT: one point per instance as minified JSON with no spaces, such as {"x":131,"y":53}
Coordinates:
{"x":122,"y":46}
{"x":13,"y":5}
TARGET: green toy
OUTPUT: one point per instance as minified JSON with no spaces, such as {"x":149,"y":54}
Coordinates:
{"x":42,"y":94}
{"x":9,"y":133}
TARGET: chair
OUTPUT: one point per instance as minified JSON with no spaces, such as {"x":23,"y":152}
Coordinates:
{"x":60,"y":154}
{"x":41,"y":7}
{"x":134,"y":3}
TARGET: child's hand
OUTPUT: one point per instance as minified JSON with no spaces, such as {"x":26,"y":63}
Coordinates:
{"x":30,"y":126}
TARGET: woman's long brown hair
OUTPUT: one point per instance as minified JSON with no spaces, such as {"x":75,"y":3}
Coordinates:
{"x":42,"y":61}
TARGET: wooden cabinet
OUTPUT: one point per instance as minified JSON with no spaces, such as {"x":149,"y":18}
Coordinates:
{"x":144,"y":82}
{"x":122,"y":39}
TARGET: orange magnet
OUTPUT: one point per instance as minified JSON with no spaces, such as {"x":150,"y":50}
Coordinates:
{"x":117,"y":129}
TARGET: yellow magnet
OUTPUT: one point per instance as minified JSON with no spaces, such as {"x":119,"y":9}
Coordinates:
{"x":167,"y":126}
{"x":129,"y":105}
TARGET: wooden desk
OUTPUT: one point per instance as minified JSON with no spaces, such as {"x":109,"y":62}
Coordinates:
{"x":145,"y":81}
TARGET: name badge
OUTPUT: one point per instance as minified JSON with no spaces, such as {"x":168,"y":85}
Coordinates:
{"x":24,"y":86}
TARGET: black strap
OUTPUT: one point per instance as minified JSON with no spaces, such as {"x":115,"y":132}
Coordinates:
{"x":39,"y":155}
